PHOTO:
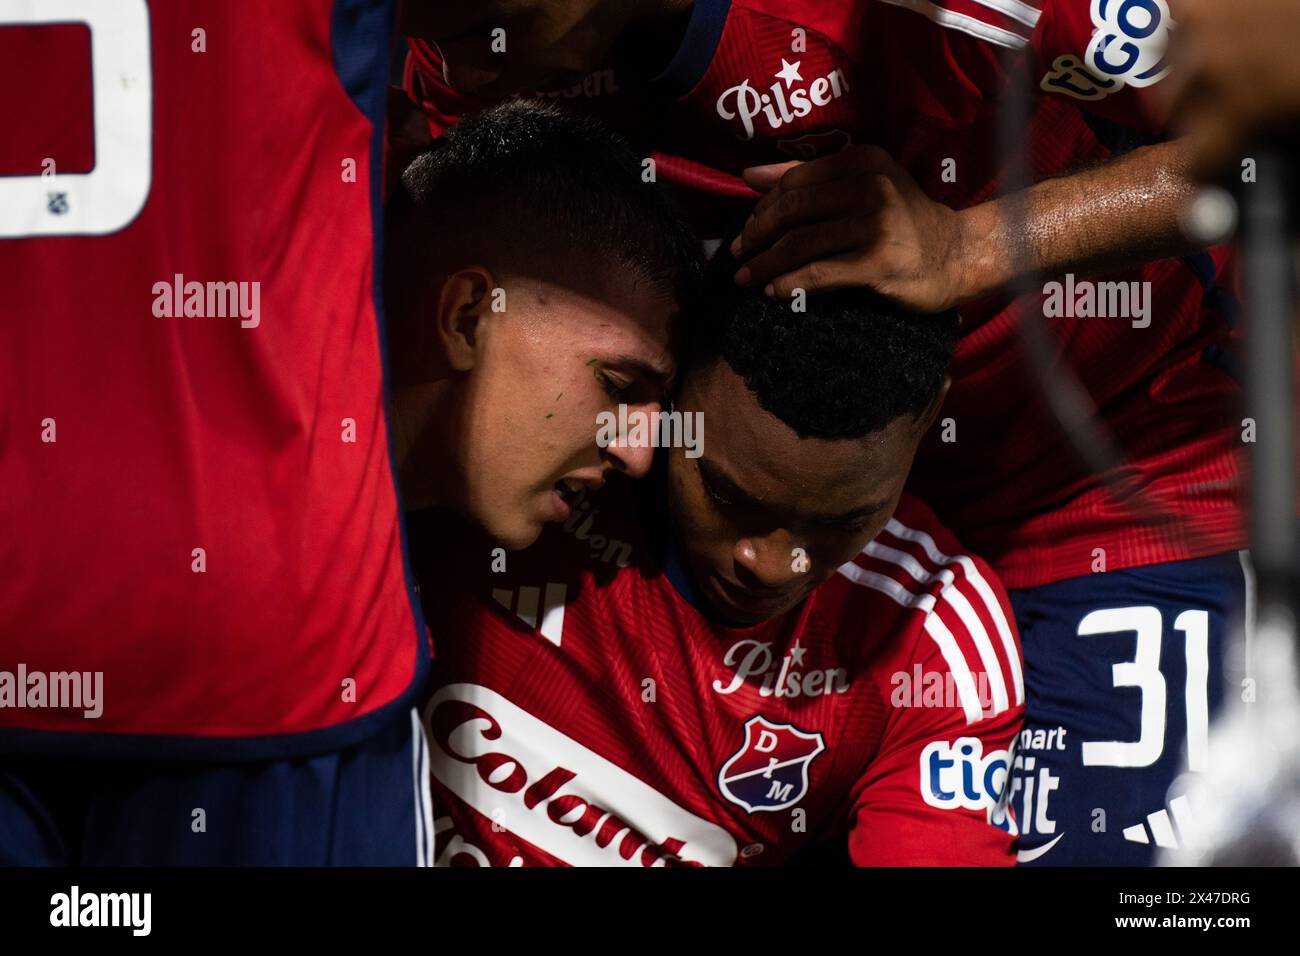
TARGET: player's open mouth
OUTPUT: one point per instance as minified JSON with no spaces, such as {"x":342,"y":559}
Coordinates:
{"x":564,"y":497}
{"x":569,"y":489}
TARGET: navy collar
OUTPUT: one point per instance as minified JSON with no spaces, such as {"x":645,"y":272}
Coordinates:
{"x":699,"y":43}
{"x":674,"y":568}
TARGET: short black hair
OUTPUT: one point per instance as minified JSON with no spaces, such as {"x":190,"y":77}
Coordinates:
{"x":526,"y":186}
{"x":845,"y":367}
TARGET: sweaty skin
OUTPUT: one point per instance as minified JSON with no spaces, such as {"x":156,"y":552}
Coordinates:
{"x":859,"y":219}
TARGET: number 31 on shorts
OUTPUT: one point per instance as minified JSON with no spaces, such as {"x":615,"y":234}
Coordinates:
{"x":1143,"y":672}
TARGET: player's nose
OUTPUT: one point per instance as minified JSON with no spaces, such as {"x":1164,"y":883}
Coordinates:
{"x":768,"y":559}
{"x":635,"y":458}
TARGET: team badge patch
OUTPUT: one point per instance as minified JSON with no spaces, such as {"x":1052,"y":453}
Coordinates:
{"x":811,"y":145}
{"x":770,"y":770}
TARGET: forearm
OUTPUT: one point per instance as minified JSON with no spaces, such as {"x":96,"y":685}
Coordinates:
{"x":1116,"y":214}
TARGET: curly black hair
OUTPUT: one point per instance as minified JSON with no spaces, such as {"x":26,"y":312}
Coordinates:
{"x":845,"y":367}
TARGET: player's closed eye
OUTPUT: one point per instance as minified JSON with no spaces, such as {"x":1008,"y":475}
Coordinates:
{"x":632,"y":389}
{"x":713,"y":494}
{"x":616,"y":388}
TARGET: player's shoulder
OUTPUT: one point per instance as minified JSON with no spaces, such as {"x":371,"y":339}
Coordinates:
{"x":837,"y":21}
{"x":916,"y":550}
{"x":1002,"y":23}
{"x":943,"y":610}
{"x":913,"y":518}
{"x":994,"y":23}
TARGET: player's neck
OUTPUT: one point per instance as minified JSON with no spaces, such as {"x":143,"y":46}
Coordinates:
{"x":419,"y":444}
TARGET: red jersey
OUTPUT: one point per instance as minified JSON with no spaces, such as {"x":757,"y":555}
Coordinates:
{"x":587,"y":713}
{"x":199,"y":506}
{"x":763,"y":81}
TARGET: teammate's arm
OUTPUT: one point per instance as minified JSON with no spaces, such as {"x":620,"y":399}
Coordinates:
{"x":868,"y":223}
{"x":926,"y":800}
{"x":857,"y":218}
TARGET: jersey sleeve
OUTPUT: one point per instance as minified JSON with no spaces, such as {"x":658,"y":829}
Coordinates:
{"x":1107,"y":55}
{"x":931,"y":796}
{"x":424,"y":83}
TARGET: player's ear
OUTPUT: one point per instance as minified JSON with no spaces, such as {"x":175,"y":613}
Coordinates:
{"x":931,"y":413}
{"x":462,"y":304}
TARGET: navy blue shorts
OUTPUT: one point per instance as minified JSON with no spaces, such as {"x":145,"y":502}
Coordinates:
{"x":1123,"y":672}
{"x":367,"y":805}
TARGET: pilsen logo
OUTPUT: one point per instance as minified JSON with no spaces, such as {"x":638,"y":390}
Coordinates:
{"x":554,"y":793}
{"x":785,"y":676}
{"x":783,"y":102}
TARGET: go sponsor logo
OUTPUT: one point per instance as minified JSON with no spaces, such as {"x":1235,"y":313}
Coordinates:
{"x":1130,"y":41}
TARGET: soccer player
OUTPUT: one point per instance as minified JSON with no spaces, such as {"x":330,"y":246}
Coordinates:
{"x":868,"y":132}
{"x":801,"y":653}
{"x":533,"y":276}
{"x":210,"y":645}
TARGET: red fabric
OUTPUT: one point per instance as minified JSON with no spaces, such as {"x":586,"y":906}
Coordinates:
{"x":585,"y":713}
{"x":185,"y":432}
{"x":31,"y":62}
